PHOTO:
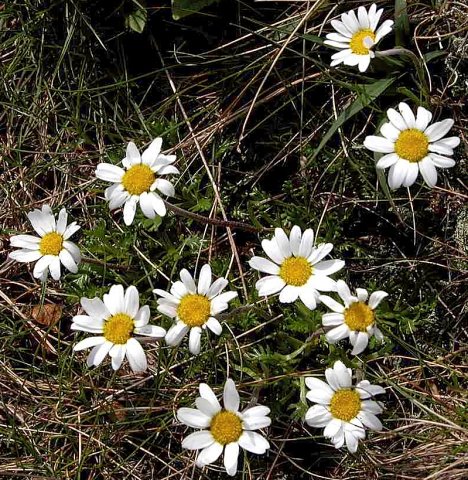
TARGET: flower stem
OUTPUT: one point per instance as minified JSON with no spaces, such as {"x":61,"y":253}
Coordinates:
{"x":415,"y":59}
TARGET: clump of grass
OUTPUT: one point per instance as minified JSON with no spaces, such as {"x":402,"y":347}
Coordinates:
{"x":245,"y":96}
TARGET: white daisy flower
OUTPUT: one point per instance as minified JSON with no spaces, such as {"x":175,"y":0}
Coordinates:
{"x":138,"y":180}
{"x":297,"y":269}
{"x":356,"y":319}
{"x":356,"y":35}
{"x":117,"y":318}
{"x":224,"y":428}
{"x":194,"y":308}
{"x":343,"y":409}
{"x":411,"y":145}
{"x":51,"y":248}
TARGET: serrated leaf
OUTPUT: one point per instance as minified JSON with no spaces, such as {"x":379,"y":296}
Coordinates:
{"x":183,"y":8}
{"x":136,"y":20}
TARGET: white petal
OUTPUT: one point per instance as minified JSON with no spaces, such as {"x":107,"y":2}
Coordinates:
{"x":320,"y":252}
{"x":29,"y":242}
{"x":370,"y":420}
{"x":428,"y":171}
{"x":88,"y":343}
{"x":442,"y":162}
{"x":129,"y":211}
{"x":133,"y":154}
{"x":25,"y":256}
{"x":320,"y":391}
{"x":194,"y":340}
{"x":363,"y":18}
{"x":257,"y":411}
{"x":95,"y":308}
{"x":309,"y":297}
{"x":62,"y":221}
{"x":295,"y":239}
{"x":193,"y":418}
{"x":207,"y":393}
{"x":136,"y":356}
{"x":307,"y":243}
{"x":283,"y":242}
{"x":269,"y":285}
{"x":209,"y":454}
{"x":115,"y":299}
{"x":176,"y":333}
{"x":70,"y":230}
{"x":341,"y":28}
{"x":383,"y":30}
{"x":68,"y":261}
{"x":179,"y":290}
{"x":439,"y":129}
{"x":204,"y":280}
{"x":272,"y":250}
{"x":364,"y":63}
{"x":231,"y":454}
{"x":217,"y":287}
{"x":98,"y":353}
{"x":198,"y":440}
{"x":332,"y":304}
{"x":423,"y":117}
{"x":343,"y":374}
{"x":397,"y":174}
{"x":151,"y":331}
{"x":117,"y":353}
{"x":407,"y":114}
{"x":255,"y":423}
{"x":412,"y":171}
{"x":332,"y":428}
{"x":351,"y":441}
{"x":344,"y":292}
{"x":396,"y":119}
{"x":74,"y":251}
{"x":141,"y":319}
{"x":158,"y":204}
{"x":132,"y":301}
{"x":387,"y":160}
{"x":289,"y":294}
{"x":214,"y":326}
{"x":207,"y":407}
{"x":366,"y":390}
{"x":264,"y":265}
{"x":42,"y":265}
{"x":337,"y":333}
{"x":231,"y":396}
{"x":332,"y":319}
{"x":54,"y":268}
{"x":376,"y":298}
{"x":152,"y":152}
{"x":318,"y":416}
{"x":371,"y":406}
{"x":253,"y":442}
{"x":361,"y":343}
{"x":164,"y":186}
{"x":332,"y":379}
{"x":188,"y":281}
{"x":109,"y":173}
{"x":389,"y":131}
{"x":40,"y":224}
{"x":379,"y":144}
{"x":146,"y":205}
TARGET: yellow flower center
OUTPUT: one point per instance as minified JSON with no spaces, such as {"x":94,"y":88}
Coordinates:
{"x":118,"y":328}
{"x":357,"y":44}
{"x":194,"y":310}
{"x":226,"y":427}
{"x":295,"y":271}
{"x":412,"y":145}
{"x":138,"y":179}
{"x":345,"y":404}
{"x":358,"y":316}
{"x":51,"y":244}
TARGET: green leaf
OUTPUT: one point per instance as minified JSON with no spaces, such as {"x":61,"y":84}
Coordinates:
{"x":136,"y":20}
{"x":368,"y":94}
{"x":183,"y":8}
{"x":402,"y":27}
